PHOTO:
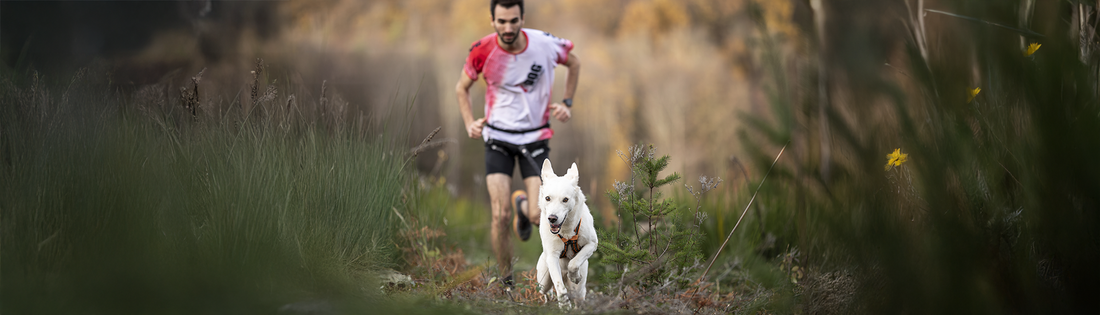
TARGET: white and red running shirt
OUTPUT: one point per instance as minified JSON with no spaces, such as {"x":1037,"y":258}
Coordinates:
{"x":518,"y":85}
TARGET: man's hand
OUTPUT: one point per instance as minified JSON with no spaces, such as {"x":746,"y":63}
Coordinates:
{"x":474,"y":128}
{"x":561,"y":112}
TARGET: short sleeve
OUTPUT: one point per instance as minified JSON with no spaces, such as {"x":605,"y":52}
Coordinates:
{"x":562,"y":47}
{"x":475,"y":62}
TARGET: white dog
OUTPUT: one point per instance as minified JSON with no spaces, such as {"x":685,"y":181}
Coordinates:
{"x":567,"y":234}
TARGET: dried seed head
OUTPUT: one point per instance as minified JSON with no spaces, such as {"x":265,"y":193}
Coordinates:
{"x":636,"y":153}
{"x":324,"y":88}
{"x":708,"y":183}
{"x":622,"y":188}
{"x":256,"y":79}
{"x":424,"y":144}
{"x":269,"y":94}
{"x":700,"y":217}
{"x":198,"y":77}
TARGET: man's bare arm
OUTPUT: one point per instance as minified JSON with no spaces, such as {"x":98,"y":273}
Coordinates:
{"x":574,"y":65}
{"x":559,"y":110}
{"x":462,"y":91}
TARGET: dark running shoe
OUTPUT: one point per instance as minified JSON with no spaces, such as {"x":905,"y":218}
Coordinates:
{"x":521,"y":223}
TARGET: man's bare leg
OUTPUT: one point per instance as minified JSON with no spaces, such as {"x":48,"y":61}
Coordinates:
{"x":499,"y":186}
{"x":533,"y":211}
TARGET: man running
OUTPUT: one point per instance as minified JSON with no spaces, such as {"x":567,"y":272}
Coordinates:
{"x":518,"y":67}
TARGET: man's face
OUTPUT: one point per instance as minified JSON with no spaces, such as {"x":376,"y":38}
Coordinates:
{"x":507,"y":23}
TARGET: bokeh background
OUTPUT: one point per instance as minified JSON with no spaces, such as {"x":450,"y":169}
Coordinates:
{"x":651,"y":68}
{"x":994,"y":211}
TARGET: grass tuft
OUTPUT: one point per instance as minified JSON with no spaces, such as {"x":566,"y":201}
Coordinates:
{"x":106,"y":209}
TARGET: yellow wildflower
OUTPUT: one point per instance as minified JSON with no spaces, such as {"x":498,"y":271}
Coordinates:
{"x":973,"y":93}
{"x":1032,"y":48}
{"x":896,"y":158}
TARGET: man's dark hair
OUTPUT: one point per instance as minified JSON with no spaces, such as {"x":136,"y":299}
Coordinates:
{"x":506,"y":4}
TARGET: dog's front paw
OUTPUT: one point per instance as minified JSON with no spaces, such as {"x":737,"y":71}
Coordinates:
{"x":564,"y":302}
{"x":574,"y":276}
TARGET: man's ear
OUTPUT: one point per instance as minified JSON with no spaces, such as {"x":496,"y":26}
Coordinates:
{"x":547,"y":170}
{"x":572,"y":174}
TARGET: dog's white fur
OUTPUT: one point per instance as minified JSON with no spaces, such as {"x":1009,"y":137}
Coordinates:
{"x":562,"y":197}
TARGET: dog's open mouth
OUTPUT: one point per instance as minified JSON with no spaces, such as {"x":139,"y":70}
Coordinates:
{"x":555,"y":228}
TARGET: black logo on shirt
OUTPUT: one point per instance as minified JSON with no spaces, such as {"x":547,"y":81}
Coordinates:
{"x":534,"y":75}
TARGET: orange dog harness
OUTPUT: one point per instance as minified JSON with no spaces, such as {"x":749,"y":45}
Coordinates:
{"x":571,"y":243}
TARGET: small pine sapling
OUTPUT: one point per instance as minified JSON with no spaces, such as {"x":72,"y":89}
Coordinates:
{"x":659,"y":238}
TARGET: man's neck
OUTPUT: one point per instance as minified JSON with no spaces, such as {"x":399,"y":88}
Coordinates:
{"x":517,"y":45}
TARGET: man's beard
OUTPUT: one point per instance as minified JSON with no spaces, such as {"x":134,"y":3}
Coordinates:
{"x":509,"y":42}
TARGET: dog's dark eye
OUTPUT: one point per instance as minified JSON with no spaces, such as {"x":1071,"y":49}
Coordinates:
{"x":565,"y":200}
{"x":547,"y":198}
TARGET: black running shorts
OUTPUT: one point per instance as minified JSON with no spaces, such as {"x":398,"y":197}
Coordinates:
{"x":501,"y":157}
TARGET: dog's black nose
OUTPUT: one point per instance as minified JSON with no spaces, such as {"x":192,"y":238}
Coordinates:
{"x":552,"y":218}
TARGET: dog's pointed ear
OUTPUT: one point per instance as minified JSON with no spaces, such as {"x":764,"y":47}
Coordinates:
{"x":572,"y":174}
{"x":547,"y":170}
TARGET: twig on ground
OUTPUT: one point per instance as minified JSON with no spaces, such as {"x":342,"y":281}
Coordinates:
{"x":461,"y":279}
